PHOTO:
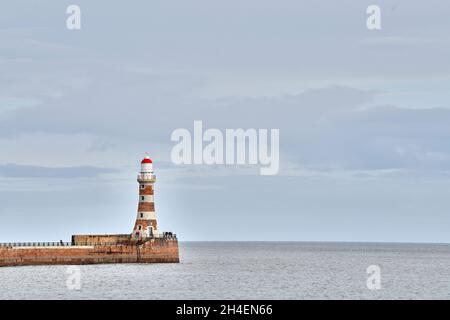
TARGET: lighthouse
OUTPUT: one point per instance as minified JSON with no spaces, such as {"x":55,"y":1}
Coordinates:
{"x":146,"y":225}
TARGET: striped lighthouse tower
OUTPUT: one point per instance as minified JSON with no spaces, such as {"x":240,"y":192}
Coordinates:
{"x":145,"y":225}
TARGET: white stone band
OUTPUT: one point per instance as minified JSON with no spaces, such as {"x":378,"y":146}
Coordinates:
{"x":147,"y":215}
{"x":148,"y":198}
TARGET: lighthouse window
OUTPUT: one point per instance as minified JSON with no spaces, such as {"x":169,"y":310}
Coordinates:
{"x":142,"y":198}
{"x":140,"y":227}
{"x":142,"y":215}
{"x":142,"y":186}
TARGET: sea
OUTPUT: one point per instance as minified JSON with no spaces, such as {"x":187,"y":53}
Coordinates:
{"x":250,"y":270}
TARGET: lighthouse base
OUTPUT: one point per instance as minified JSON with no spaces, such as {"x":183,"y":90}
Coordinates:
{"x":160,"y":250}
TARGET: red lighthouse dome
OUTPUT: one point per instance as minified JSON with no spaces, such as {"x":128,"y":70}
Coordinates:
{"x":146,"y":160}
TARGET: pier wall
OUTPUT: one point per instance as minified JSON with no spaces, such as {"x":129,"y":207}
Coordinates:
{"x":100,"y":238}
{"x":152,"y":251}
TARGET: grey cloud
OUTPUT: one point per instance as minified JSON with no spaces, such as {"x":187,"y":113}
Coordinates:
{"x":297,"y":39}
{"x":26,"y":171}
{"x":335,"y":127}
{"x":141,"y":112}
{"x":399,"y":41}
{"x":390,"y":137}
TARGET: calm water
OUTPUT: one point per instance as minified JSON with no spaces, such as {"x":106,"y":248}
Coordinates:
{"x":251,"y":271}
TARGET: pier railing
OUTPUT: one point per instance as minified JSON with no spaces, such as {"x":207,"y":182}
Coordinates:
{"x":36,"y":244}
{"x":165,"y":235}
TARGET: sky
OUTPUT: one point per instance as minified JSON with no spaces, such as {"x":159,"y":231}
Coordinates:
{"x":363,"y":117}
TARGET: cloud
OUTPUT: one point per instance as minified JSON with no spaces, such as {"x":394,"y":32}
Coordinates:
{"x":24,"y":171}
{"x":56,"y":86}
{"x":388,"y":137}
{"x":331,"y":128}
{"x":399,"y":41}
